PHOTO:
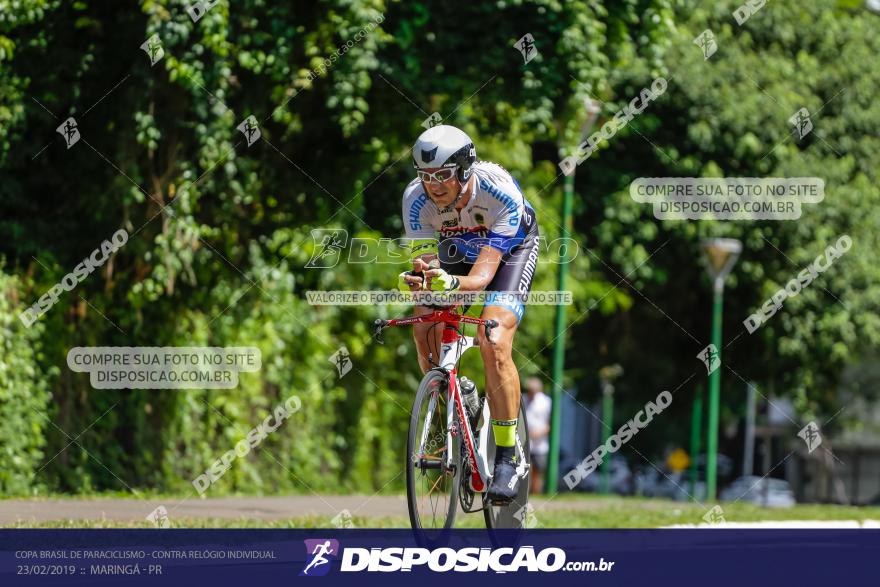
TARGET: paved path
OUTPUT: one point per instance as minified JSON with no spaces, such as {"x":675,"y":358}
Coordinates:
{"x":258,"y":508}
{"x":789,"y":525}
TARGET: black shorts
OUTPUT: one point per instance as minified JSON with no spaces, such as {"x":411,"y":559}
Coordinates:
{"x":512,"y":281}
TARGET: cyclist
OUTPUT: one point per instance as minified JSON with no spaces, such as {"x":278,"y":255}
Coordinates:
{"x":472,"y":216}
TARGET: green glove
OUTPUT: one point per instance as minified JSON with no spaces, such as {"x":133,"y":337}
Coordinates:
{"x":441,"y":281}
{"x":422,"y":246}
{"x":402,"y":285}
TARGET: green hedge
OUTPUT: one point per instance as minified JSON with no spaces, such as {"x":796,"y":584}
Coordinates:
{"x":24,"y":395}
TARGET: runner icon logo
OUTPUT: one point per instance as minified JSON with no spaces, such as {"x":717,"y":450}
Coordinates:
{"x":320,"y":552}
{"x":710,"y":357}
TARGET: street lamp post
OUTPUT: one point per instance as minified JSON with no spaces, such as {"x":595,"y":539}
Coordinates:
{"x":592,"y":110}
{"x":721,"y":255}
{"x":607,"y":375}
{"x":696,"y":433}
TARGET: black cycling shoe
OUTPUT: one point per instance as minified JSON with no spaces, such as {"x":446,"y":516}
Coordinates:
{"x":505,"y":482}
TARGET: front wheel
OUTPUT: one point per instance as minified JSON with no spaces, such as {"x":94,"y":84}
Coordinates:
{"x":517,"y":514}
{"x":432,"y":477}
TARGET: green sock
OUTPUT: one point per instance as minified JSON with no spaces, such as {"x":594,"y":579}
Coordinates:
{"x":505,"y":432}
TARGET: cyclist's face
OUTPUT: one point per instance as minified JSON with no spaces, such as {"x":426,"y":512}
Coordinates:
{"x":442,"y":193}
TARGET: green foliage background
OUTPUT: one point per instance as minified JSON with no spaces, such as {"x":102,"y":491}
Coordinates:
{"x":221,"y":232}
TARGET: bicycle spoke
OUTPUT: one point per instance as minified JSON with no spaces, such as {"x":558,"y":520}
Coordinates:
{"x":439,"y":479}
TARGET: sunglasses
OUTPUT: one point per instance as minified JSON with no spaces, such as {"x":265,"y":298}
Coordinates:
{"x":439,"y":176}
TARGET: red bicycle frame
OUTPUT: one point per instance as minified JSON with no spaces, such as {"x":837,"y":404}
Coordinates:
{"x":453,"y":345}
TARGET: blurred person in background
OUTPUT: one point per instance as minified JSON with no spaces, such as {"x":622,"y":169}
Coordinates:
{"x":538,"y":406}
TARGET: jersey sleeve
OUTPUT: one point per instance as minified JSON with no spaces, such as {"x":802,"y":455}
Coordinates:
{"x":417,"y":218}
{"x":504,"y":234}
{"x":506,"y":229}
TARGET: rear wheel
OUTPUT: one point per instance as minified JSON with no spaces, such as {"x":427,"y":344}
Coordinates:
{"x":515,"y":515}
{"x":432,"y":481}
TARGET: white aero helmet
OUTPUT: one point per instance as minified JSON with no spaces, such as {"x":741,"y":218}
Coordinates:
{"x":445,"y":146}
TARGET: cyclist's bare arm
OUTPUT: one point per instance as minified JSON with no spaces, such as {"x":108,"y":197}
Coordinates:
{"x":481,"y":272}
{"x":477,"y":279}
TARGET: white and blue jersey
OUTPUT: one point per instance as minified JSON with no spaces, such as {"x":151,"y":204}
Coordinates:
{"x":496,"y":215}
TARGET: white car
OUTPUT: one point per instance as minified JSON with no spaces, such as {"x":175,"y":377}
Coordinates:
{"x":768,"y":492}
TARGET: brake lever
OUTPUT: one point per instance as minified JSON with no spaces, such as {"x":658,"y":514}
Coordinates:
{"x":377,"y":335}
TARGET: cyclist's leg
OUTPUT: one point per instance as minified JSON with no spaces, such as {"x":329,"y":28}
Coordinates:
{"x":502,"y":389}
{"x":427,"y":338}
{"x":502,"y":377}
{"x":514,"y":276}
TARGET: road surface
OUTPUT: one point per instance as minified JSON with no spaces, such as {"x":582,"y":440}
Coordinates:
{"x":256,"y":508}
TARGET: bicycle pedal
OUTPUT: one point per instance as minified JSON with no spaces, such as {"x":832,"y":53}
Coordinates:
{"x":500,"y":502}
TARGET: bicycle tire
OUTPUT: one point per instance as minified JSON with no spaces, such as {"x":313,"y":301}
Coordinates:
{"x":516,"y":514}
{"x":433,"y":383}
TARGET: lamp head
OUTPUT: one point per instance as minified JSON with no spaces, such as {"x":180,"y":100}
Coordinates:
{"x":721,"y":255}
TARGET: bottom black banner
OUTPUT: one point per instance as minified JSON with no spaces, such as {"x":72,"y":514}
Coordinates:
{"x":397,"y":557}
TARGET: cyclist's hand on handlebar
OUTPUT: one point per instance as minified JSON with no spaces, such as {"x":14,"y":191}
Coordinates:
{"x":420,"y":265}
{"x":409,"y":281}
{"x":415,"y":280}
{"x":437,"y":279}
{"x":440,"y":281}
